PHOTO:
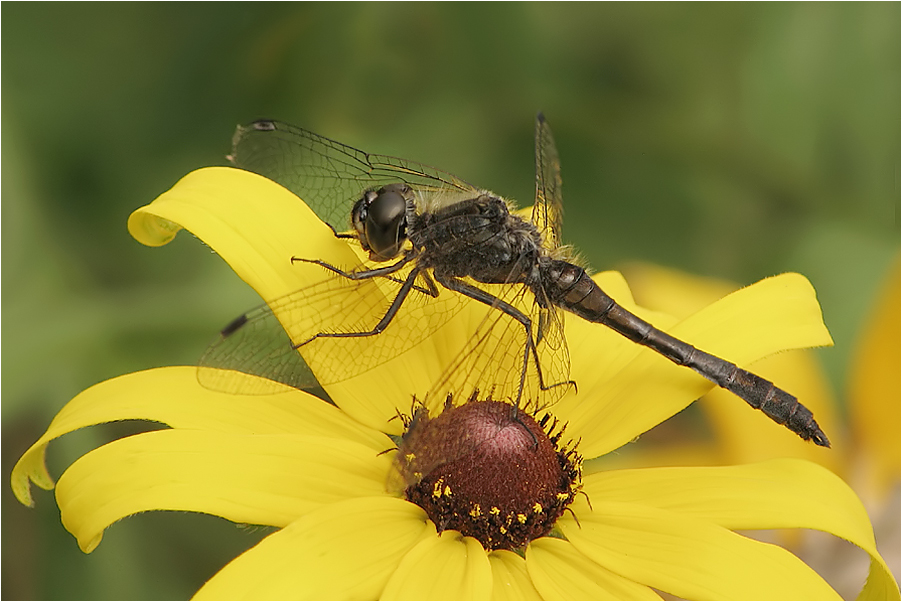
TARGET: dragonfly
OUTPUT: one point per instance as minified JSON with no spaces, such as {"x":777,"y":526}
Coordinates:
{"x":435,"y":245}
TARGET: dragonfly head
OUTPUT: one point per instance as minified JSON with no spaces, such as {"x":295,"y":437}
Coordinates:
{"x":380,"y":219}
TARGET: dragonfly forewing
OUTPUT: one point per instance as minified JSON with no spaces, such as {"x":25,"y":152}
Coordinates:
{"x":283,"y":341}
{"x":548,"y":210}
{"x":329,"y":176}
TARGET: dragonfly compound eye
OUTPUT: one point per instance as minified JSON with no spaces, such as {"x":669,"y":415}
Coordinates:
{"x":385,"y":224}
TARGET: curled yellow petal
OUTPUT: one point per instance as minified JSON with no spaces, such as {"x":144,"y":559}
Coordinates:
{"x":253,"y":223}
{"x":173,"y":396}
{"x":254,"y":479}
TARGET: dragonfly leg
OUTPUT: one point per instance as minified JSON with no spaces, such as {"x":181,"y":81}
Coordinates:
{"x":362,"y":274}
{"x":384,"y":272}
{"x":386,"y":319}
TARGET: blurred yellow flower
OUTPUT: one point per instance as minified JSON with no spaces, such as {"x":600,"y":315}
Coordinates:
{"x":874,"y":388}
{"x":320,"y":474}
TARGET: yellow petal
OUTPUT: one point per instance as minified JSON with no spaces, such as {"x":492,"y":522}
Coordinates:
{"x":253,"y":223}
{"x":173,"y":396}
{"x":688,"y":557}
{"x":772,"y":315}
{"x":560,"y":572}
{"x":346,"y":550}
{"x":447,"y":567}
{"x":881,"y":585}
{"x":255,"y":479}
{"x":510,"y":579}
{"x":776,"y":494}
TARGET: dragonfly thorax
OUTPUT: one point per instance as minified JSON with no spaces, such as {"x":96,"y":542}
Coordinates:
{"x":477,"y":238}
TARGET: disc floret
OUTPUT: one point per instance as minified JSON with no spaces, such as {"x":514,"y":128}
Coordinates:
{"x":489,"y":470}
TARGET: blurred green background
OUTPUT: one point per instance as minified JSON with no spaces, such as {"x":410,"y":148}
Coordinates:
{"x":729,"y":140}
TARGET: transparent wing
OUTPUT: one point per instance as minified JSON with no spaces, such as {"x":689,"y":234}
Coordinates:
{"x":254,"y":343}
{"x":329,"y":176}
{"x":277,"y":341}
{"x":499,"y":354}
{"x":548,"y":210}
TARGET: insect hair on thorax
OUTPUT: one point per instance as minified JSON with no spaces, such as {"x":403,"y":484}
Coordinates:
{"x":429,"y":201}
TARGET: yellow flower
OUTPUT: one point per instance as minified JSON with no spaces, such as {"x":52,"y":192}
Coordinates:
{"x":874,"y":389}
{"x":318,"y":471}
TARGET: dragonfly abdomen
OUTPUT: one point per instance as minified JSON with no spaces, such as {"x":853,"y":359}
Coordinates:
{"x":571,"y":288}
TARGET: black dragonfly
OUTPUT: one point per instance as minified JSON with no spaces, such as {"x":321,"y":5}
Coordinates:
{"x":435,"y":244}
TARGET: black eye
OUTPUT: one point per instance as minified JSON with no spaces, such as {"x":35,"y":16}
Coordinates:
{"x":385,"y":224}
